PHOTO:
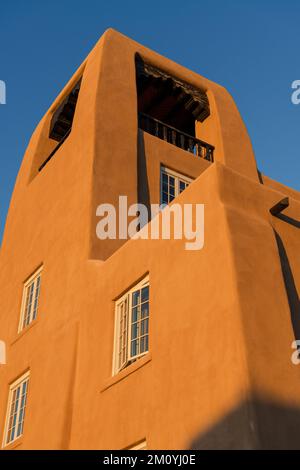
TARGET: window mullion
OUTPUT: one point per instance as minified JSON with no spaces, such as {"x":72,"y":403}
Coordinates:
{"x":176,"y":186}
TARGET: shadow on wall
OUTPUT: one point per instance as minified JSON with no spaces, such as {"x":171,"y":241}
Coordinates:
{"x":256,"y":424}
{"x":143,"y":184}
{"x":260,"y":177}
{"x":290,"y":286}
{"x":289,"y":220}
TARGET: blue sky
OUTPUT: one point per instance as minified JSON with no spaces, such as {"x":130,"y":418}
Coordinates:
{"x":250,"y":47}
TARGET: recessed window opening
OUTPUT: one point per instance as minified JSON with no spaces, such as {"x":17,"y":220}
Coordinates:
{"x":169,"y":108}
{"x":30,"y":299}
{"x":171,"y":184}
{"x":131,"y":326}
{"x":16,"y":409}
{"x":62,"y":120}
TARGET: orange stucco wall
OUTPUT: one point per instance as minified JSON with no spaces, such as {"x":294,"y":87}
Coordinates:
{"x":218,"y":373}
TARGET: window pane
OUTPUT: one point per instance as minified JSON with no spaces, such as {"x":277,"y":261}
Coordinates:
{"x":134,"y":350}
{"x":20,"y":422}
{"x":145,"y":294}
{"x":165,"y":187}
{"x":182,"y":186}
{"x":165,"y":178}
{"x":12,"y":435}
{"x":134,"y":330}
{"x":165,"y":198}
{"x":145,"y":310}
{"x":144,"y":327}
{"x":136,"y":297}
{"x":36,"y":298}
{"x":134,"y":314}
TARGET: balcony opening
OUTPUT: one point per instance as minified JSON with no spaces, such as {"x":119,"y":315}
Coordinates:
{"x":169,"y":108}
{"x":62,"y":120}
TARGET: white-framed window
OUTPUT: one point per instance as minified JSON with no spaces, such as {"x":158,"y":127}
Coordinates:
{"x":171,"y":184}
{"x":30,"y":299}
{"x":16,"y":409}
{"x":131,"y":325}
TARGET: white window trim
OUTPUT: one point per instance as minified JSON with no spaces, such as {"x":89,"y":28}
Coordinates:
{"x":33,"y":277}
{"x":178,"y":177}
{"x":129,"y":359}
{"x":12,"y":387}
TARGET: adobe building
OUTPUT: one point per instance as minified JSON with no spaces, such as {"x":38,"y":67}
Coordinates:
{"x":119,"y":344}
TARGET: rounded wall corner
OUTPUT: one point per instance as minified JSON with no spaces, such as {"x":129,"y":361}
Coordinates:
{"x":233,"y":145}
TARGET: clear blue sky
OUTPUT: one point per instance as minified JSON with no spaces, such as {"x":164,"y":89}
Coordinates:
{"x":249,"y":46}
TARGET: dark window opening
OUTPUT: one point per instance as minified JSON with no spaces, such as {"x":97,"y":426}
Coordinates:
{"x":62,"y":120}
{"x":169,"y":108}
